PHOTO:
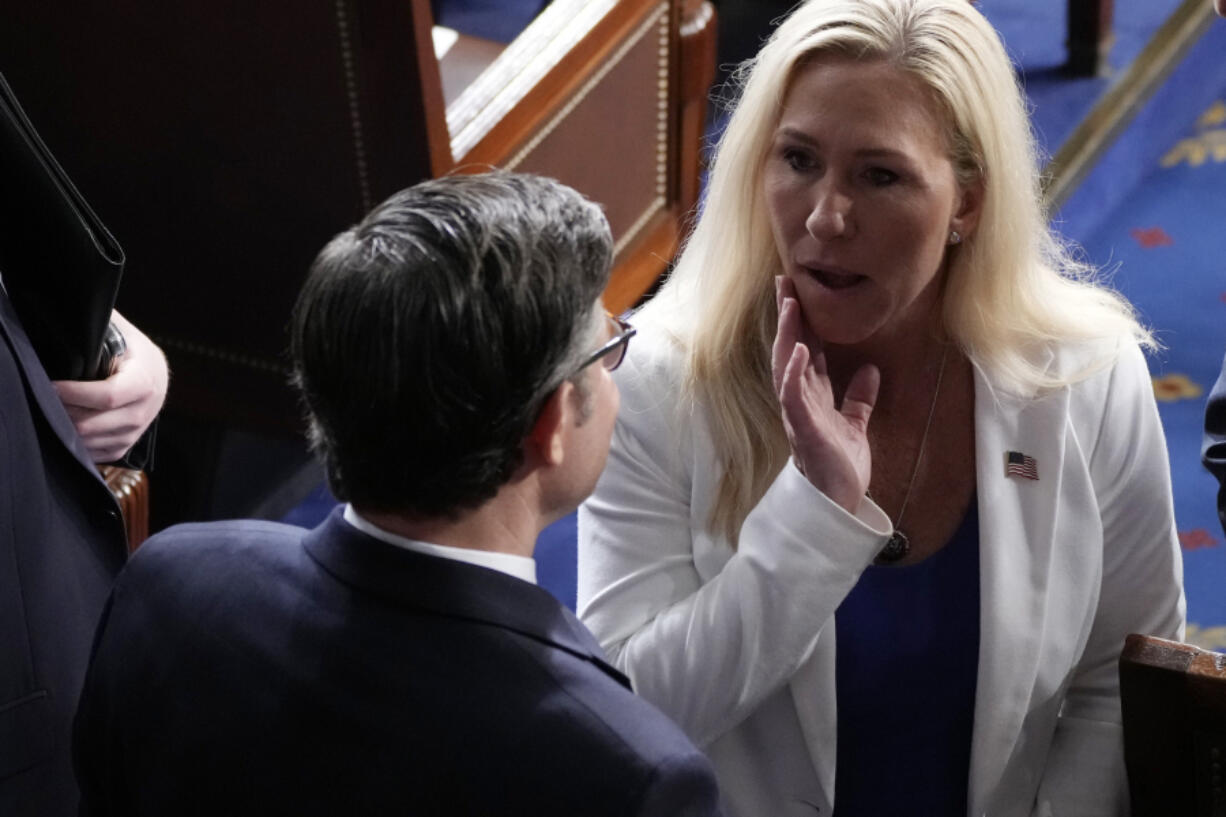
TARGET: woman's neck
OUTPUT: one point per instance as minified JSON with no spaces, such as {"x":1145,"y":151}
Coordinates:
{"x":907,"y":360}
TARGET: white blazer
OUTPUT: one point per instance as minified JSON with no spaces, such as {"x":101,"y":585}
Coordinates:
{"x":739,"y":646}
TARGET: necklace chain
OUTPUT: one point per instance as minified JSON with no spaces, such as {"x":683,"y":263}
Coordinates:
{"x":898,"y":545}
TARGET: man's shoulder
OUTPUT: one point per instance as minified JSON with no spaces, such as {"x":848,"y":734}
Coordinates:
{"x":518,"y":694}
{"x":541,"y":652}
{"x":194,"y":548}
{"x":224,"y":534}
{"x":604,"y":740}
{"x":607,"y":712}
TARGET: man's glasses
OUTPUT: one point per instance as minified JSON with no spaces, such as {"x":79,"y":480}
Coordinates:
{"x":614,"y":352}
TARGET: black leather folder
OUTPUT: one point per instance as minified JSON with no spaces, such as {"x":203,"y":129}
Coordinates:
{"x":58,"y":263}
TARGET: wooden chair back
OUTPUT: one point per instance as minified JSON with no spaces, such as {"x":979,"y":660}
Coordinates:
{"x":1174,"y":706}
{"x":225,"y":141}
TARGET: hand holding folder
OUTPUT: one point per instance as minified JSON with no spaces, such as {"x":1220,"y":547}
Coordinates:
{"x":59,"y":264}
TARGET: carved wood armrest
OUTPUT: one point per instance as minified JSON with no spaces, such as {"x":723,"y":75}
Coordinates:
{"x":130,"y":488}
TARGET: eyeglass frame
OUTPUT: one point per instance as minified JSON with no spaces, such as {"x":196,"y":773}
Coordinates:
{"x":622,"y":339}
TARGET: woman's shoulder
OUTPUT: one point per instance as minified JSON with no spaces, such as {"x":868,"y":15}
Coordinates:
{"x":1102,"y":378}
{"x":1082,"y":366}
{"x":1077,"y":361}
{"x":1100,"y":387}
{"x":657,"y":408}
{"x":656,"y":360}
{"x":1116,"y":376}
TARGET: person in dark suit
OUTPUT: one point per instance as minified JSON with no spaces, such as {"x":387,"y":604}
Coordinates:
{"x":61,"y":543}
{"x":1213,"y":446}
{"x":454,"y":361}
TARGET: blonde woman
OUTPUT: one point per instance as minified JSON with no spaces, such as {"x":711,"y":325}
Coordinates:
{"x":888,"y":486}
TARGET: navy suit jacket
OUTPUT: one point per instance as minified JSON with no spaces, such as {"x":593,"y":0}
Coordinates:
{"x":61,"y":544}
{"x":258,"y":668}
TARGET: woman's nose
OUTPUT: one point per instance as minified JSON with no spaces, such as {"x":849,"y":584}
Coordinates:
{"x":831,"y":216}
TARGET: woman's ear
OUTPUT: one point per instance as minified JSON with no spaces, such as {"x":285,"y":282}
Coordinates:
{"x":548,"y":434}
{"x":970,"y":206}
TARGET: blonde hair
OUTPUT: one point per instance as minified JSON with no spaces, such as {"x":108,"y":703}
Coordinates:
{"x":1011,"y":287}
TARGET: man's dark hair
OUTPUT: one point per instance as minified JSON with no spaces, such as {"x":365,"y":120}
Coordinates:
{"x":427,"y":338}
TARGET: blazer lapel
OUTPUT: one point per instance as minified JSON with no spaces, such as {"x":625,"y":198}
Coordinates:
{"x":1017,"y":519}
{"x":451,"y":588}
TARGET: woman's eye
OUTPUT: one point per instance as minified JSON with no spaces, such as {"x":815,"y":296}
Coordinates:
{"x":798,"y":159}
{"x":880,"y":176}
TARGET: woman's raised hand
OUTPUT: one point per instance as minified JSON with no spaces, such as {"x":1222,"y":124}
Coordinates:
{"x":829,"y":443}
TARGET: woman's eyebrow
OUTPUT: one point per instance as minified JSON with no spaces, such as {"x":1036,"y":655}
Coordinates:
{"x":794,"y":134}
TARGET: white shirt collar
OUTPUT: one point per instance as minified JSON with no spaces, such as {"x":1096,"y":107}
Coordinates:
{"x":521,"y":567}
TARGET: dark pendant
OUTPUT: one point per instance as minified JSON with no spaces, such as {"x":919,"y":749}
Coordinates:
{"x":896,"y":549}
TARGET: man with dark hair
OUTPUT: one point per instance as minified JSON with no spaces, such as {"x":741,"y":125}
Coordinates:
{"x":454,"y":361}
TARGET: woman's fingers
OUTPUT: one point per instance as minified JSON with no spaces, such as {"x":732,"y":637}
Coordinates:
{"x":791,"y":392}
{"x":791,"y":401}
{"x":829,"y":443}
{"x":792,"y":329}
{"x":786,"y":337}
{"x":808,"y":405}
{"x":828,"y":449}
{"x":861,"y":395}
{"x":785,"y":288}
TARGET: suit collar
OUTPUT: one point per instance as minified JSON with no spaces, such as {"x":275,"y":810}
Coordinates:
{"x":513,"y":564}
{"x":450,"y":588}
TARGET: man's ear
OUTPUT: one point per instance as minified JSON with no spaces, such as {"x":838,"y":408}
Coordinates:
{"x":548,"y":435}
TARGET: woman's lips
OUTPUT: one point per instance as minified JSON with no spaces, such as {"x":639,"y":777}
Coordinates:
{"x":834,"y":279}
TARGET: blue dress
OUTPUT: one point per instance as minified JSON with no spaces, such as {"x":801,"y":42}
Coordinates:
{"x":907,"y":662}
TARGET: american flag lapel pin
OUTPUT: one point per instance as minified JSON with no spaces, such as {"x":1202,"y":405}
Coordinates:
{"x":1018,"y":464}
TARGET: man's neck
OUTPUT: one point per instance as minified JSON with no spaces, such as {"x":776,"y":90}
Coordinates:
{"x":504,"y":524}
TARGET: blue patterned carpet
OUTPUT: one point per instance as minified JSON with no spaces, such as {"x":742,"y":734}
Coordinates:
{"x":1152,"y":213}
